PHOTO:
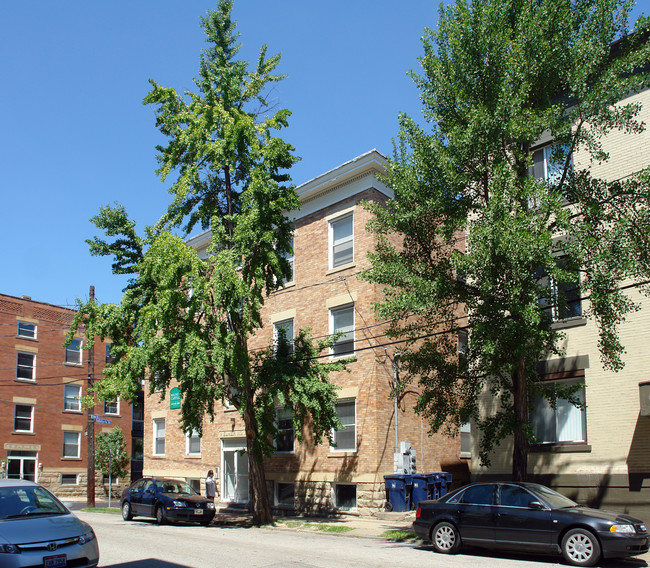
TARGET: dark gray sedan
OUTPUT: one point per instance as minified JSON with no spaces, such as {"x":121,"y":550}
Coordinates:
{"x":528,"y":517}
{"x":166,"y":499}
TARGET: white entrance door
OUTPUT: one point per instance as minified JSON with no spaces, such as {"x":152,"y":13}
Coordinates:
{"x":234,"y":460}
{"x":21,"y":465}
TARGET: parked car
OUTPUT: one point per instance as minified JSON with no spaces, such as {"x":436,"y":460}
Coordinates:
{"x":165,"y":499}
{"x":36,"y":529}
{"x":530,"y":517}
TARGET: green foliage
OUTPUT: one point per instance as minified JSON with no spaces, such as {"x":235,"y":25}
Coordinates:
{"x":481,"y":236}
{"x":110,"y":453}
{"x":187,"y":318}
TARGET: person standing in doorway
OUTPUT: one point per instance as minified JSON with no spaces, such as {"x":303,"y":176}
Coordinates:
{"x":210,"y":486}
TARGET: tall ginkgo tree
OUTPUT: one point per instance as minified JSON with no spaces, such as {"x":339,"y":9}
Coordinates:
{"x":187,"y":319}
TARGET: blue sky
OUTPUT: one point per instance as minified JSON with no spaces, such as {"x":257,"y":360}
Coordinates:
{"x":76,"y":135}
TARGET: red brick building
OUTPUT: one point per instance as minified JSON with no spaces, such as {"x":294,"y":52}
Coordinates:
{"x":326,"y":295}
{"x":42,"y":423}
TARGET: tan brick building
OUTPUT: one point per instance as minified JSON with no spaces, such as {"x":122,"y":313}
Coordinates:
{"x":42,"y":423}
{"x":330,"y":249}
{"x":601,"y":455}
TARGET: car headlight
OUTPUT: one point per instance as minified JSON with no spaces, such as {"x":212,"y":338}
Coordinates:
{"x":179,"y":503}
{"x":84,"y":538}
{"x":9,"y":549}
{"x":210,"y":505}
{"x":627,"y":529}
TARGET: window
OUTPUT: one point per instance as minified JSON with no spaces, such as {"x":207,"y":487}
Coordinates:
{"x":73,"y":352}
{"x":548,"y":163}
{"x":137,"y":449}
{"x":26,"y":329}
{"x":342,"y":321}
{"x":346,"y":438}
{"x":159,"y":437}
{"x":345,"y":496}
{"x":72,"y":397}
{"x":285,"y":436}
{"x":112,"y":406}
{"x":285,"y":494}
{"x":25,"y":366}
{"x":563,"y":298}
{"x":23,"y":418}
{"x":108,"y":358}
{"x":192,"y":443}
{"x":478,"y":494}
{"x":515,"y":496}
{"x":290,"y":259}
{"x":71,"y":442}
{"x":341,"y":241}
{"x":564,"y":423}
{"x":465,"y":439}
{"x":69,"y":479}
{"x":195,"y":484}
{"x":283,"y":327}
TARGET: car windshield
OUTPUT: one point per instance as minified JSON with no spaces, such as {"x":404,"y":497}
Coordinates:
{"x":176,"y":487}
{"x":27,"y":501}
{"x":554,"y":499}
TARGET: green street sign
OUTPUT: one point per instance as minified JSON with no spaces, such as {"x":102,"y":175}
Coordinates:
{"x":175,"y":398}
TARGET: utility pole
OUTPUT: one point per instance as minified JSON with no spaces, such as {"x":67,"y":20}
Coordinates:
{"x":90,"y":427}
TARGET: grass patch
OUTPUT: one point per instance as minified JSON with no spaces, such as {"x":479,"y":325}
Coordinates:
{"x":292,"y":524}
{"x":399,"y":535}
{"x":332,"y":528}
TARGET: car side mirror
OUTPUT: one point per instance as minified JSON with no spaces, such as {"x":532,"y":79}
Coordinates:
{"x":149,"y":491}
{"x":536,"y":505}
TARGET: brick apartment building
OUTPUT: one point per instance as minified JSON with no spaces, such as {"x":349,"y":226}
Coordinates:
{"x":42,"y":424}
{"x":330,"y":249}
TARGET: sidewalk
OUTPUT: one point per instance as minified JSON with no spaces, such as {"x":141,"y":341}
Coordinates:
{"x":359,"y":526}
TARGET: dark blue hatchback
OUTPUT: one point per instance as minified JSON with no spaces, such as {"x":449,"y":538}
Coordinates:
{"x":166,"y":499}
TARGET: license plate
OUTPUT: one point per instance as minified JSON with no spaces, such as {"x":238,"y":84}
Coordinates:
{"x":55,"y":561}
{"x":198,"y":511}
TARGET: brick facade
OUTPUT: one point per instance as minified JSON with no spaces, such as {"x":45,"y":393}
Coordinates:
{"x":33,"y":417}
{"x":315,"y":471}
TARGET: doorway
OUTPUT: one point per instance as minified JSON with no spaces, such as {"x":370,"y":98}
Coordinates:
{"x":234,"y":460}
{"x":21,"y":465}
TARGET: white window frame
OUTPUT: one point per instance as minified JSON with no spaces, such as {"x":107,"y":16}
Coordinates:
{"x":285,"y":414}
{"x":74,"y":348}
{"x":545,"y":417}
{"x":21,"y":331}
{"x":116,"y":402}
{"x":349,"y":216}
{"x":23,"y":366}
{"x":466,"y":439}
{"x":286,"y":324}
{"x":72,"y":403}
{"x":333,"y":312}
{"x":31,"y":418}
{"x":158,"y":427}
{"x":68,"y":477}
{"x":77,"y":436}
{"x":346,"y":427}
{"x":189,"y":436}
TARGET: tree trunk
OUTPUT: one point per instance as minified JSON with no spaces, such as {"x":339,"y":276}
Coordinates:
{"x":259,"y":503}
{"x":520,"y":407}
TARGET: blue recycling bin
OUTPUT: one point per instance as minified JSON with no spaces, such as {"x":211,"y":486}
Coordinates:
{"x":398,"y":488}
{"x":445,"y":483}
{"x":420,"y":490}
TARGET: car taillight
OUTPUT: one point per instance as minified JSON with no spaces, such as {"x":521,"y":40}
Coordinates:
{"x":418,"y":513}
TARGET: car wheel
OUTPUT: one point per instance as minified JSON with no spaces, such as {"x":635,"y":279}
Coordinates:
{"x":445,"y":538}
{"x":580,"y":548}
{"x":160,"y":515}
{"x":127,"y":514}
